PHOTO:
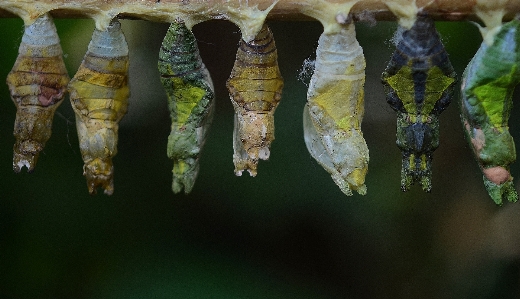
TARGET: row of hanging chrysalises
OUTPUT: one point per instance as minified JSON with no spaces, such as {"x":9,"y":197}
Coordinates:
{"x":419,"y":82}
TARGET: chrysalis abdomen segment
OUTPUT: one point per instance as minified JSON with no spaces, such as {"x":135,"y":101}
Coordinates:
{"x":99,"y":95}
{"x":419,"y":82}
{"x":255,"y":87}
{"x":191,"y":97}
{"x":335,"y":108}
{"x":37,"y":84}
{"x":487,"y":87}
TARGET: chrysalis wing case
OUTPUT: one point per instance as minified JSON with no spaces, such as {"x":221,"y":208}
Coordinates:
{"x":191,"y":102}
{"x":487,"y":88}
{"x":255,"y":86}
{"x":334,"y":111}
{"x":419,"y":82}
{"x":37,"y":82}
{"x":99,"y":95}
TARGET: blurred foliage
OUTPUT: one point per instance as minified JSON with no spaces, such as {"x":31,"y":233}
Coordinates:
{"x":288,"y":233}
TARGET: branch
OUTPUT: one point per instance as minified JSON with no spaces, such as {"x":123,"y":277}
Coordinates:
{"x":290,"y":10}
{"x":249,"y":15}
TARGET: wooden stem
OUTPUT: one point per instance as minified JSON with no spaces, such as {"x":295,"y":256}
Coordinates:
{"x":161,"y":10}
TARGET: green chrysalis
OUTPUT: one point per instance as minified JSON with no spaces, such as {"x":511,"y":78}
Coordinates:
{"x":191,"y":102}
{"x":487,"y":88}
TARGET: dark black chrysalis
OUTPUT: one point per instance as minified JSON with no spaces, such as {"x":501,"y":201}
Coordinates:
{"x":419,"y":82}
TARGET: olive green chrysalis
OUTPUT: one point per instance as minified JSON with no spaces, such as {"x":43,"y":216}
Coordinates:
{"x":191,"y":98}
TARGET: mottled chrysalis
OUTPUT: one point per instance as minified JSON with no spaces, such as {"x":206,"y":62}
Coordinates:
{"x":99,"y":95}
{"x":334,"y":111}
{"x":190,"y":100}
{"x":255,"y":87}
{"x":419,"y":82}
{"x":487,"y":88}
{"x":37,"y":83}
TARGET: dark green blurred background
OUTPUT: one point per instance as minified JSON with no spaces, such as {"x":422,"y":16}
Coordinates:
{"x":288,"y":233}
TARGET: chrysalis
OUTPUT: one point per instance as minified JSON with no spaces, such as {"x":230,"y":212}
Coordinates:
{"x":37,"y":83}
{"x":487,"y":88}
{"x":334,"y":111}
{"x":99,"y":95}
{"x":419,"y":82}
{"x":191,"y":102}
{"x":255,"y":87}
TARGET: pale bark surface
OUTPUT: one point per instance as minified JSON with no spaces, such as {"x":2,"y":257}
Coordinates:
{"x":161,"y":10}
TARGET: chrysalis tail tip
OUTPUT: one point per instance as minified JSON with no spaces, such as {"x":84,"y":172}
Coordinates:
{"x":179,"y":191}
{"x":239,"y":169}
{"x":27,"y":159}
{"x":94,"y":183}
{"x":426,"y":184}
{"x":499,"y":193}
{"x":411,"y":175}
{"x":21,"y":160}
{"x":347,"y":187}
{"x":362,"y":190}
{"x":178,"y":185}
{"x":184,"y":174}
{"x":347,"y":190}
{"x":409,"y":180}
{"x":245,"y":163}
{"x":99,"y":174}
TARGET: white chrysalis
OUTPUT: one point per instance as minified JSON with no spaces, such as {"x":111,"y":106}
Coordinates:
{"x":334,"y":110}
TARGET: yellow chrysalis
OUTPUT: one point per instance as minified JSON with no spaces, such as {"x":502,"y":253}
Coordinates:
{"x":99,"y":95}
{"x":255,"y":87}
{"x":37,"y":82}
